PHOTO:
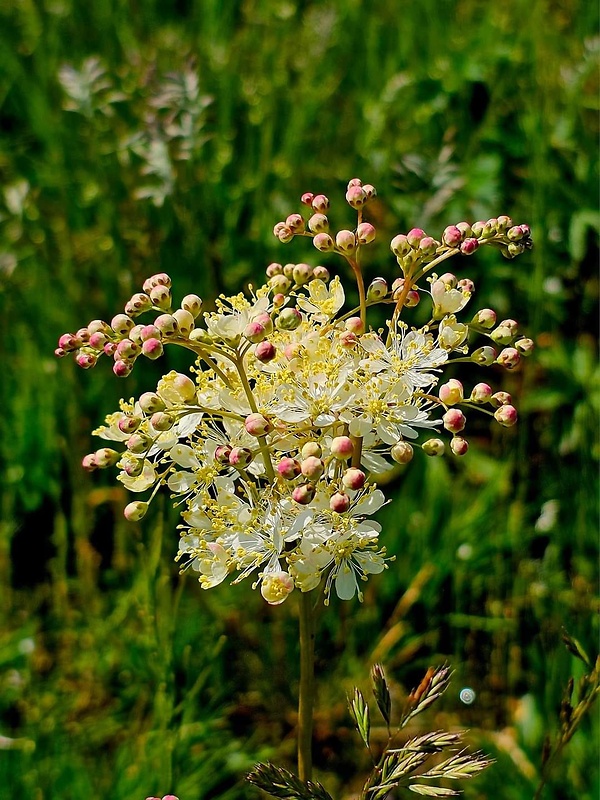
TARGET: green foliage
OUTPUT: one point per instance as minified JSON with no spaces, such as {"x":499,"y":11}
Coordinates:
{"x":172,"y":138}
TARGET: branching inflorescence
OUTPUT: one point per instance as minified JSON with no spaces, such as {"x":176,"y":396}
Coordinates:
{"x":294,"y":404}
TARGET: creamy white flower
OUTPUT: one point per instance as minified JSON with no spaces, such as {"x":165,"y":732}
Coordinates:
{"x":447,"y":300}
{"x":325,"y":301}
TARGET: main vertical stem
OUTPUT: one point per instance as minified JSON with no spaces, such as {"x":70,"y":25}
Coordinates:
{"x":307,"y":686}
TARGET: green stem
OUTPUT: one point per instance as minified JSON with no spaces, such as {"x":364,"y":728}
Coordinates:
{"x":307,"y":686}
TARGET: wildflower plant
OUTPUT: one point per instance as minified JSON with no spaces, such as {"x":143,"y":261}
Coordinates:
{"x":294,"y":404}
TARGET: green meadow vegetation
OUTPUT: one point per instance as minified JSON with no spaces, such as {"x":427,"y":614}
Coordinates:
{"x":140,"y":137}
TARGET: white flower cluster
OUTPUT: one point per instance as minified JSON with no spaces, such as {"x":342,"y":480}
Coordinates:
{"x":294,"y":406}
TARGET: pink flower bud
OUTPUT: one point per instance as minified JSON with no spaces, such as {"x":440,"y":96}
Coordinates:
{"x":428,"y":246}
{"x":185,"y":321}
{"x":121,"y":324}
{"x":304,"y":494}
{"x":323,"y":242}
{"x":106,"y":457}
{"x":509,"y":357}
{"x":452,"y":236}
{"x":502,"y":334}
{"x":434,"y":447}
{"x":515,"y":233}
{"x":289,"y":319}
{"x":240,"y":457}
{"x":459,"y":446}
{"x":129,"y":424}
{"x":481,"y":393}
{"x":131,"y":466}
{"x":469,"y":246}
{"x":402,"y":452}
{"x":98,"y":340}
{"x":161,"y":297}
{"x":160,"y":279}
{"x":274,"y":269}
{"x":295,"y":222}
{"x":400,"y":246}
{"x":354,"y":479}
{"x":318,"y":223}
{"x":192,"y":303}
{"x":342,"y":448}
{"x":68,"y":342}
{"x":339,"y":502}
{"x":149,"y":332}
{"x":138,"y":304}
{"x":167,"y":325}
{"x":466,"y":285}
{"x":255,"y":332}
{"x":288,"y":468}
{"x":500,"y":399}
{"x":284,"y":234}
{"x":110,"y":348}
{"x":365,"y":233}
{"x":139,"y":443}
{"x":355,"y":325}
{"x":311,"y":449}
{"x":265,"y":352}
{"x":414,"y":237}
{"x":307,"y":198}
{"x":265,"y":320}
{"x":454,"y":420}
{"x":222,"y":453}
{"x":276,"y":586}
{"x":135,"y":511}
{"x":506,"y":416}
{"x":451,"y":392}
{"x":312,"y":467}
{"x":83,"y":334}
{"x":99,"y":326}
{"x":465,"y":229}
{"x":486,"y":318}
{"x":257,"y":425}
{"x":184,"y":387}
{"x":478,"y":228}
{"x":150,"y":402}
{"x":355,"y":197}
{"x":86,"y":360}
{"x":302,"y":273}
{"x":127,"y":349}
{"x":320,"y":203}
{"x":321,"y":274}
{"x":345,"y":241}
{"x":89,"y":462}
{"x":525,"y":346}
{"x":152,"y":348}
{"x":369,"y":190}
{"x":504,"y":223}
{"x":485,"y":355}
{"x":348,"y":339}
{"x":161,"y":421}
{"x":378,"y":289}
{"x":354,"y":182}
{"x":280,"y":284}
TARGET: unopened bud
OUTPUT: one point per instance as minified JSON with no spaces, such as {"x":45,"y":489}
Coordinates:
{"x":323,"y":242}
{"x":451,"y":392}
{"x":150,"y":402}
{"x":288,"y":271}
{"x":295,"y":222}
{"x":486,"y":318}
{"x":414,"y":237}
{"x":402,"y":452}
{"x":68,"y":342}
{"x":355,"y":197}
{"x":342,"y":447}
{"x":459,"y":446}
{"x":485,"y":355}
{"x":89,"y":462}
{"x":127,"y":349}
{"x":185,"y":321}
{"x":320,"y":203}
{"x":255,"y":332}
{"x":339,"y":502}
{"x":222,"y":453}
{"x":506,"y":416}
{"x":284,"y":234}
{"x":377,"y":290}
{"x":193,"y":304}
{"x":240,"y":457}
{"x":434,"y":447}
{"x":481,"y":393}
{"x":454,"y":420}
{"x":307,"y":198}
{"x":302,"y":273}
{"x":355,"y":325}
{"x":121,"y":324}
{"x":106,"y":457}
{"x":318,"y":223}
{"x":400,"y":246}
{"x":501,"y":399}
{"x":257,"y":425}
{"x":345,"y":241}
{"x":289,"y":319}
{"x":288,"y":468}
{"x":321,"y":274}
{"x":525,"y":346}
{"x":86,"y":360}
{"x":134,"y":512}
{"x":509,"y":357}
{"x":280,"y":284}
{"x":428,"y":246}
{"x":99,"y":326}
{"x":138,"y":304}
{"x":122,"y":368}
{"x":354,"y":479}
{"x":167,"y":325}
{"x":129,"y":424}
{"x":312,"y":467}
{"x":139,"y":443}
{"x":365,"y":233}
{"x":265,"y":352}
{"x":161,"y":297}
{"x":452,"y":236}
{"x":161,"y":421}
{"x":369,"y":190}
{"x":469,"y":246}
{"x":201,"y":336}
{"x":311,"y":449}
{"x":304,"y":494}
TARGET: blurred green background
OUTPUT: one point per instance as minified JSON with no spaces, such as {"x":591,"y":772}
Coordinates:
{"x":138,"y":137}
